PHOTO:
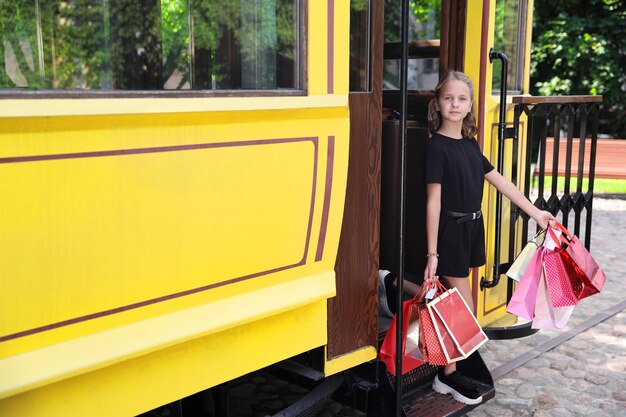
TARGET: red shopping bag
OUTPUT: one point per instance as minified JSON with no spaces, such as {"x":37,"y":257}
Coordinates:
{"x":448,"y":344}
{"x":593,"y":277}
{"x":459,"y":321}
{"x":522,"y":302}
{"x":547,"y":316}
{"x":430,"y":345}
{"x":410,"y":357}
{"x":563,"y":278}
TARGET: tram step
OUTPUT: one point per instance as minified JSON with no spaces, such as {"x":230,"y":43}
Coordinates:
{"x":418,"y":398}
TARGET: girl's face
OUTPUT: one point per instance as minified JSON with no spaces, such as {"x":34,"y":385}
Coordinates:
{"x":455,"y":101}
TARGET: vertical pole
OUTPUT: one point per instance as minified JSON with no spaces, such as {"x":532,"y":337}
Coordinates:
{"x":404,"y":35}
{"x":484,"y":283}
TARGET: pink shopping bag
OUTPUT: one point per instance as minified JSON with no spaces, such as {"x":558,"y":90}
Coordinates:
{"x":547,"y":316}
{"x":522,"y":302}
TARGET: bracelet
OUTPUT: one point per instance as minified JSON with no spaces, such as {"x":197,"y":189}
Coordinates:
{"x":436,"y":255}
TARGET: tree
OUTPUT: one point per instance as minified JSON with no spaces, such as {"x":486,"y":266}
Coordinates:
{"x":579,"y":48}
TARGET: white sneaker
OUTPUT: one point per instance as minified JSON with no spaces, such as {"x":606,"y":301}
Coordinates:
{"x":382,"y":293}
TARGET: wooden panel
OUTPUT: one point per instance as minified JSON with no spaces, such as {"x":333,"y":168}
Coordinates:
{"x":610,"y":157}
{"x":453,"y":21}
{"x":353,"y":313}
{"x":556,"y":99}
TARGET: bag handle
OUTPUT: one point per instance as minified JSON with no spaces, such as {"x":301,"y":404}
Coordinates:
{"x":534,"y":239}
{"x":564,"y":230}
{"x":437,"y":286}
{"x":565,"y":237}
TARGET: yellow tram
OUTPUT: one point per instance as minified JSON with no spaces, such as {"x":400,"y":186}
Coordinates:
{"x":193,"y":223}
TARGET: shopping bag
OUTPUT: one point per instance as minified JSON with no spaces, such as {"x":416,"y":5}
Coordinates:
{"x":413,"y":335}
{"x":522,"y":302}
{"x":547,"y":316}
{"x":592,"y":276}
{"x":459,"y":324}
{"x":583,"y":259}
{"x":519,"y":265}
{"x":430,"y":345}
{"x":410,"y":356}
{"x":564,"y":279}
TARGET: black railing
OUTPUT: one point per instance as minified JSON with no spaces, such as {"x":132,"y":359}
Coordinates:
{"x":566,"y":121}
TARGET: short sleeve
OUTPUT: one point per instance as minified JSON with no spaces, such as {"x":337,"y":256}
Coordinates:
{"x":487,"y":167}
{"x":435,"y":164}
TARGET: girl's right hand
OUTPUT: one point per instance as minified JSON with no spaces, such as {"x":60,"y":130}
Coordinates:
{"x":431,"y":269}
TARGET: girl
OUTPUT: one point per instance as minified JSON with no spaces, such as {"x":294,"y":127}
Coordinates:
{"x":455,"y":172}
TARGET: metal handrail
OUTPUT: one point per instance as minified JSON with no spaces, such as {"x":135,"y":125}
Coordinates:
{"x":484,"y":283}
{"x":404,"y":29}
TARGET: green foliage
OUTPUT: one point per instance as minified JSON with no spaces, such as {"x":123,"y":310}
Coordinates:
{"x":141,"y":45}
{"x":579,"y":48}
{"x":422,"y":12}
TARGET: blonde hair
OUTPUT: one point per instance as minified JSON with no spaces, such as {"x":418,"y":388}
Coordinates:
{"x":469,"y":128}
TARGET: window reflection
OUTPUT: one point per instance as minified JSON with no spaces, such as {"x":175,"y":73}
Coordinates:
{"x":510,"y":25}
{"x":424,"y":24}
{"x":359,"y":45}
{"x":149,"y":44}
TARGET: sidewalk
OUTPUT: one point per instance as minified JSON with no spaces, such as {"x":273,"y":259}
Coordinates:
{"x":585,"y":375}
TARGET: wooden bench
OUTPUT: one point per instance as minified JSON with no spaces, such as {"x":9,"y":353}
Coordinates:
{"x":610,"y":158}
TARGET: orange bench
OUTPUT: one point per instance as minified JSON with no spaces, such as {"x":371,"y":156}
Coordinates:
{"x":610,"y":158}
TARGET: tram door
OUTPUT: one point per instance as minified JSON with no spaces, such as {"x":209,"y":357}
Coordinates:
{"x":436,"y":44}
{"x":369,"y":230}
{"x":457,"y":34}
{"x":454,"y":34}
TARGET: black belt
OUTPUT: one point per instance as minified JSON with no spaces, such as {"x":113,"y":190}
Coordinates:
{"x":464,"y":217}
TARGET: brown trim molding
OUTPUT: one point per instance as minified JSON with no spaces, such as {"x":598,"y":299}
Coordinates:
{"x":331,"y":48}
{"x":327,"y":193}
{"x":484,"y":51}
{"x":452,"y":33}
{"x":121,"y":152}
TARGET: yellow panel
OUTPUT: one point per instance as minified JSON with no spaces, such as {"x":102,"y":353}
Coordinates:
{"x":111,"y":222}
{"x":197,"y":200}
{"x":342,"y":43}
{"x":143,"y":383}
{"x":36,"y":368}
{"x":350,"y":360}
{"x":120,"y":106}
{"x":317,"y":52}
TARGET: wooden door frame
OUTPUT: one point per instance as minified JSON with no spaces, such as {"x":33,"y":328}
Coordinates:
{"x":352,"y":313}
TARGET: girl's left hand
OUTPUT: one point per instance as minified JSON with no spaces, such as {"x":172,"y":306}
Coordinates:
{"x":545,"y":219}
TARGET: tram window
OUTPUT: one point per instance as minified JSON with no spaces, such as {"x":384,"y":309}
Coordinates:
{"x":359,"y":45}
{"x":423,"y":74}
{"x":424,"y":34}
{"x":510,"y":38}
{"x":150,"y":44}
